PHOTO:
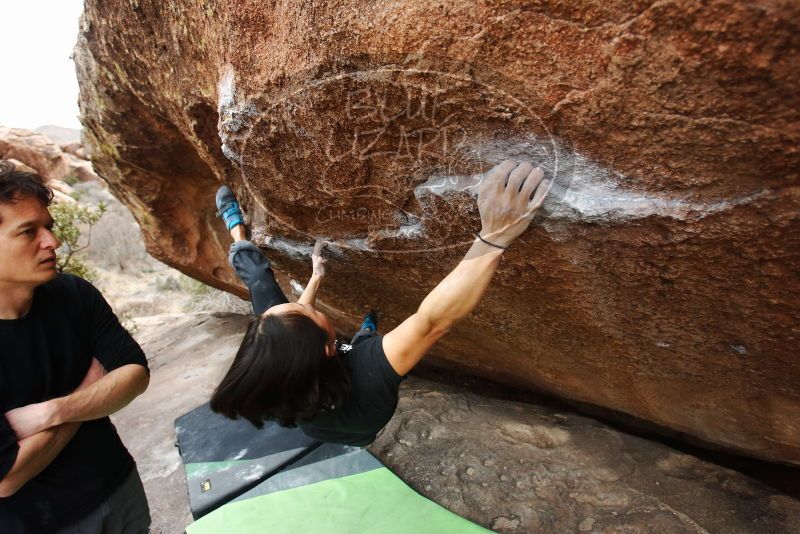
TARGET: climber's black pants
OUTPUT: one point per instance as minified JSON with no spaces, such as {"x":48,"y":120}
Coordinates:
{"x":252,"y":268}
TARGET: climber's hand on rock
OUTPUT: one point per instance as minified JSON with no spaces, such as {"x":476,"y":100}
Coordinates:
{"x":508,"y":197}
{"x":317,"y":261}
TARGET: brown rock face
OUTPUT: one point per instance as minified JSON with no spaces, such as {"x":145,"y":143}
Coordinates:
{"x":662,"y":278}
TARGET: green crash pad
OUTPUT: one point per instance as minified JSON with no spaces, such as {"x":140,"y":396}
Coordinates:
{"x":225,"y":458}
{"x":333,"y":489}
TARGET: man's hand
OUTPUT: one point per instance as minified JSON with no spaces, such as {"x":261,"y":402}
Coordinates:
{"x":508,"y":197}
{"x":34,"y":418}
{"x":31,"y":419}
{"x":317,"y":261}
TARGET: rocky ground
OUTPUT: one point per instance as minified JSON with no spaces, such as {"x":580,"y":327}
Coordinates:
{"x":510,"y":466}
{"x":516,"y":467}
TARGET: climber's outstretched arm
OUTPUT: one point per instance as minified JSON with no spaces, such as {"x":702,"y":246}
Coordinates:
{"x":309,"y":295}
{"x":508,"y":197}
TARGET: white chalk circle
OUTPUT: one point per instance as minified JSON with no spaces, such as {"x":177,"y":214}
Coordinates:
{"x":349,"y":152}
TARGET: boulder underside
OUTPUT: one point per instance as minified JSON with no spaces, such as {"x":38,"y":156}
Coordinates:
{"x":662,"y":276}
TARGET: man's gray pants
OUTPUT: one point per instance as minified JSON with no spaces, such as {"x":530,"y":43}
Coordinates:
{"x":124,"y":512}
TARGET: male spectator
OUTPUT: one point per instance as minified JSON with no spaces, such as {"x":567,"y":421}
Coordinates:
{"x":66,"y":363}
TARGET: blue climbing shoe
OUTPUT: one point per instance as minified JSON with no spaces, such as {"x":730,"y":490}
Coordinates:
{"x":370,"y":321}
{"x":228,"y":208}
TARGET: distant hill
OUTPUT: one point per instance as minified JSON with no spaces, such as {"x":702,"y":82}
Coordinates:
{"x":59,"y":134}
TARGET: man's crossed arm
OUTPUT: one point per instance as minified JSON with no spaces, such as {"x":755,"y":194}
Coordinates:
{"x":44,"y":429}
{"x":34,"y":454}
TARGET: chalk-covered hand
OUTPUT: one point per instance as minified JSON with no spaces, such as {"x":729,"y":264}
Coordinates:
{"x":317,"y":261}
{"x":508,"y":197}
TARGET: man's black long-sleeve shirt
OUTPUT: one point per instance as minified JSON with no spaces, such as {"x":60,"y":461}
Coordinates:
{"x":45,"y":355}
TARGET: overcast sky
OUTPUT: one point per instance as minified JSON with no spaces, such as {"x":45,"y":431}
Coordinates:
{"x":37,"y":84}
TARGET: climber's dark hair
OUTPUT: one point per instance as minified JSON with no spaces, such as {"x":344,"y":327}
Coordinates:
{"x":16,"y":184}
{"x":281,"y":373}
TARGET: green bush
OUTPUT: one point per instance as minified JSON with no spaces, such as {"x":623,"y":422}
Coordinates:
{"x":192,"y":286}
{"x":73,"y":228}
{"x":71,"y":180}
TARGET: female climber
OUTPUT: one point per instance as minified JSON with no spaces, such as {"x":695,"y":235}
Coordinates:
{"x":289,"y":368}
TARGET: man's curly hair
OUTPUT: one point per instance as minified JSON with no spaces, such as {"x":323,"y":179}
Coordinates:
{"x":16,"y":184}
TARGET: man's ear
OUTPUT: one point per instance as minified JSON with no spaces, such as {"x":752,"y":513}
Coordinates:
{"x":330,"y":349}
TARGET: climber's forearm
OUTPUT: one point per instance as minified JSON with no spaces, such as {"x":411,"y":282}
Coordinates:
{"x":461,"y":290}
{"x":309,"y":295}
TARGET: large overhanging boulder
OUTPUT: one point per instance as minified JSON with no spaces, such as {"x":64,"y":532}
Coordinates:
{"x":661,"y":278}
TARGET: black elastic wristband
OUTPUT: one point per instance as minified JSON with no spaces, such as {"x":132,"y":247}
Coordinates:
{"x":478,"y":235}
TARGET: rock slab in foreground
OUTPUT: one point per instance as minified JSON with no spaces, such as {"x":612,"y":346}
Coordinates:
{"x":662,"y":278}
{"x":509,"y":466}
{"x":524,"y":468}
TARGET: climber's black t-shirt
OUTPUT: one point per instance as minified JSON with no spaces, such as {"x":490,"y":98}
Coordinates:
{"x":45,"y":355}
{"x":370,"y":403}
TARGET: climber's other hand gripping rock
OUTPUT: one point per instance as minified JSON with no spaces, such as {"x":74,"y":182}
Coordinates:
{"x":508,"y":197}
{"x":318,"y":260}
